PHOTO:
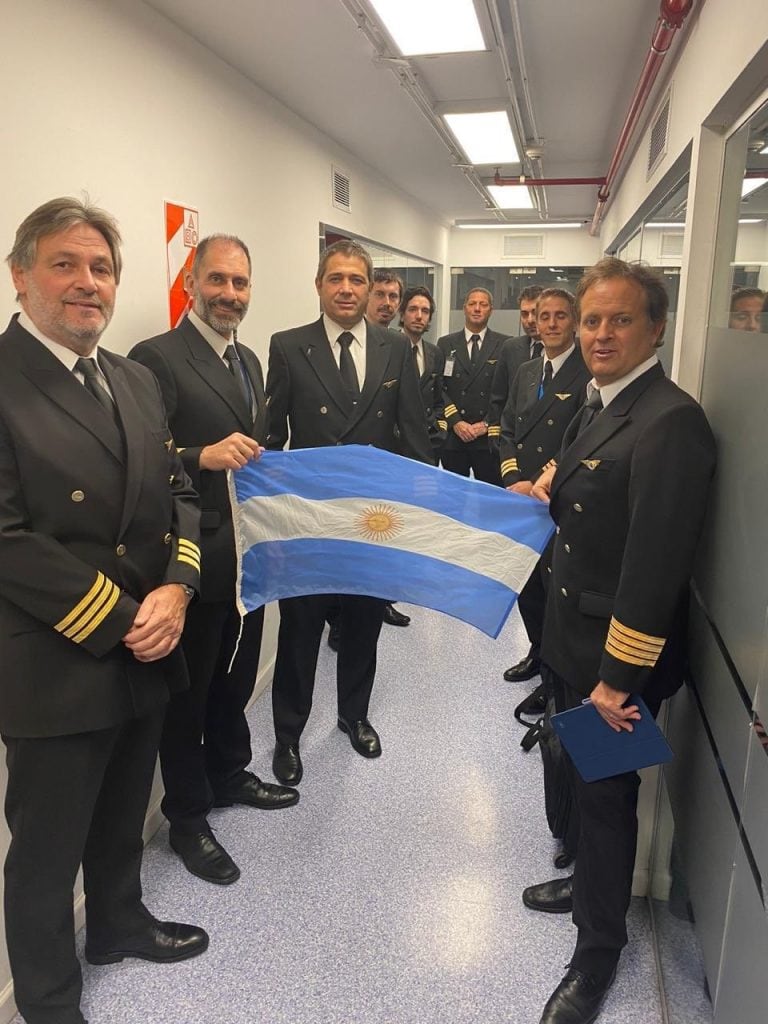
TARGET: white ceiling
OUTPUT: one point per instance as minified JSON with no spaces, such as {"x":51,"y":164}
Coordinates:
{"x":582,"y":57}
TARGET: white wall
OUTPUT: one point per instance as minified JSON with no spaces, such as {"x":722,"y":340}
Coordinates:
{"x":485,"y":248}
{"x":112,"y":99}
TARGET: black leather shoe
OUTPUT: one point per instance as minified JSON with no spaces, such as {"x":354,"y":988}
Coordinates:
{"x":164,"y":942}
{"x":205,"y":857}
{"x":264,"y":795}
{"x":362,"y":736}
{"x":286,"y":764}
{"x":393,"y":617}
{"x":525,"y":669}
{"x":577,"y":999}
{"x":334,"y":637}
{"x":555,"y":897}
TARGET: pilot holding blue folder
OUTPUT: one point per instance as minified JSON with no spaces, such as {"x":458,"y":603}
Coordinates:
{"x":628,"y":494}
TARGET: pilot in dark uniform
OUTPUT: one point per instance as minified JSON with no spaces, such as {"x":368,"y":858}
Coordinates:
{"x":99,"y":556}
{"x":339,"y":380}
{"x":628,"y":494}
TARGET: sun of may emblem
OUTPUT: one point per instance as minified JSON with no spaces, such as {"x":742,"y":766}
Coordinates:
{"x":379,"y":522}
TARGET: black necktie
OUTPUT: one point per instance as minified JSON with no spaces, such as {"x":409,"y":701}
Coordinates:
{"x":237,"y":370}
{"x":546,"y":379}
{"x":415,"y":354}
{"x":592,"y":406}
{"x":536,"y":349}
{"x":475,"y":351}
{"x":347,"y":366}
{"x":90,"y":373}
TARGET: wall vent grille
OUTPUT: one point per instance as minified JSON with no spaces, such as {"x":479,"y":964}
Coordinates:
{"x":657,"y":146}
{"x":340,"y":190}
{"x":523,"y":245}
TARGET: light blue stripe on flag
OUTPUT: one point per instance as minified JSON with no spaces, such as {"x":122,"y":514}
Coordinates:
{"x":358,"y":520}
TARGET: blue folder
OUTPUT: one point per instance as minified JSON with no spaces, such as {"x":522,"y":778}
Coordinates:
{"x":598,"y":752}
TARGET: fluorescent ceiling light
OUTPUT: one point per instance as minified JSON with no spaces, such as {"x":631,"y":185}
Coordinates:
{"x":751,"y":220}
{"x":667,"y":224}
{"x":533,"y":226}
{"x":485,"y":138}
{"x":511,"y":197}
{"x":751,"y":184}
{"x":420,"y":27}
{"x":764,"y":151}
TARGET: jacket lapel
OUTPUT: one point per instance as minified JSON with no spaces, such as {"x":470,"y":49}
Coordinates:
{"x":460,"y":350}
{"x":429,"y":359}
{"x":65,"y":390}
{"x":207,"y":364}
{"x":253,"y":369}
{"x":317,"y":351}
{"x":488,"y":350}
{"x":603,"y":427}
{"x":134,"y":431}
{"x":565,"y":378}
{"x":377,"y":350}
{"x":531,"y":379}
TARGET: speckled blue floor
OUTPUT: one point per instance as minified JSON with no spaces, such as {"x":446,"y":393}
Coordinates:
{"x":391,"y":893}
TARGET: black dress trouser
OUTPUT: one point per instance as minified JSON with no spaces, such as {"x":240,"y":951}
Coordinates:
{"x":71,"y":799}
{"x":483,"y":463}
{"x":206,"y":743}
{"x":605,"y":855}
{"x":302,"y":620}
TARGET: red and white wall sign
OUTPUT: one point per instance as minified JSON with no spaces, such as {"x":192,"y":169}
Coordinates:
{"x":182,"y":231}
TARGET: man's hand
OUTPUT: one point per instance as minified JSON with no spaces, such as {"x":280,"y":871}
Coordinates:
{"x":542,"y":487}
{"x":464,"y":431}
{"x":521,"y":487}
{"x":158,"y":623}
{"x":609,"y":705}
{"x":479,"y":429}
{"x":230,"y":453}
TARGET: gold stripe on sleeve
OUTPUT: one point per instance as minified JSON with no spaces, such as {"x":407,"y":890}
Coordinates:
{"x":99,"y":616}
{"x":632,"y":646}
{"x":82,"y":605}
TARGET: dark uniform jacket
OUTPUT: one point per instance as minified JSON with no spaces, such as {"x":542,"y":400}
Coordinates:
{"x":306,"y":395}
{"x":90,"y":522}
{"x":514,"y":352}
{"x":629,"y":498}
{"x":467,"y":391}
{"x":431,"y":386}
{"x":532,"y":428}
{"x":205,"y":404}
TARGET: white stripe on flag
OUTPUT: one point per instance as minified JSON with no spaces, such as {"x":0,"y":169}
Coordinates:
{"x":388,"y":524}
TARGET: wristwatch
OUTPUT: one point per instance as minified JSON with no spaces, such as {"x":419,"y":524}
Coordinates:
{"x":189,"y":591}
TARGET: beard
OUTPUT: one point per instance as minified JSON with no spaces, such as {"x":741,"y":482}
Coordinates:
{"x":51,"y":318}
{"x":223,"y":317}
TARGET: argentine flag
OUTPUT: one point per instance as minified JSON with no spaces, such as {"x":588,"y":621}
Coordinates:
{"x":353,"y":519}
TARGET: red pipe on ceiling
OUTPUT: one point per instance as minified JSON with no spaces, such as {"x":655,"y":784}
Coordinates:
{"x":672,"y":15}
{"x":522,"y":180}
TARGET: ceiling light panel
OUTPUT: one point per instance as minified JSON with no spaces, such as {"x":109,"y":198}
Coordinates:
{"x":485,"y":138}
{"x":421,"y":27}
{"x":511,"y":197}
{"x":751,"y":185}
